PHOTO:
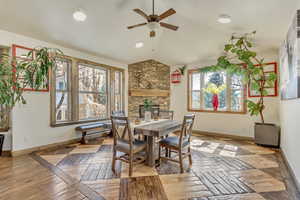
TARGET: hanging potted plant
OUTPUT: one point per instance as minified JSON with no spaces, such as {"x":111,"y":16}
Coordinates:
{"x":147,"y":108}
{"x":237,"y":51}
{"x":214,"y":90}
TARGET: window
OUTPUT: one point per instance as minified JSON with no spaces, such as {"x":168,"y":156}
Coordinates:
{"x":62,"y":90}
{"x":83,"y":91}
{"x":4,"y":114}
{"x":118,"y":88}
{"x":229,"y":89}
{"x":4,"y":119}
{"x":92,"y":92}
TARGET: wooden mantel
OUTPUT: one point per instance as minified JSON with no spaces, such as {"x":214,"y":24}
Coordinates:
{"x":149,"y":93}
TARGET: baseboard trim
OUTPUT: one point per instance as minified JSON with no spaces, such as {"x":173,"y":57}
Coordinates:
{"x":6,"y":154}
{"x":290,"y":170}
{"x":43,"y":147}
{"x":207,"y":133}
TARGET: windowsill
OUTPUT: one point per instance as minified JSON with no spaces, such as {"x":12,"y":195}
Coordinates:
{"x":3,"y":130}
{"x":76,"y":122}
{"x":219,"y":111}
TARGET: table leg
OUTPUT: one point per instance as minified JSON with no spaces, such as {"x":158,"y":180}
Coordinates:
{"x":150,"y":151}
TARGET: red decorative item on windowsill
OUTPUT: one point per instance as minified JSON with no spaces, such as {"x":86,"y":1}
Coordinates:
{"x":215,"y":102}
{"x":176,"y":76}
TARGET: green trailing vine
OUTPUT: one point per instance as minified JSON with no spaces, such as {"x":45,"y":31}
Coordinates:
{"x":237,"y":51}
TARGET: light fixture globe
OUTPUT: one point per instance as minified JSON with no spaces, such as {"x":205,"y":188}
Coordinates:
{"x":79,"y":15}
{"x":139,"y":45}
{"x":224,"y":19}
{"x":153,"y":26}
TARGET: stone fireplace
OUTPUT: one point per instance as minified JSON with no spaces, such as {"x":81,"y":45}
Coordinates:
{"x":148,"y":79}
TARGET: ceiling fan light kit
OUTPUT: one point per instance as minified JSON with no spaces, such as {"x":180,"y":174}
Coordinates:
{"x":154,"y":21}
{"x":224,"y":19}
{"x":79,"y":15}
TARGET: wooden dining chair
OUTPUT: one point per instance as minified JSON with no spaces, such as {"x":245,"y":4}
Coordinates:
{"x":166,"y":114}
{"x":119,"y":113}
{"x":179,"y":144}
{"x":124,"y":142}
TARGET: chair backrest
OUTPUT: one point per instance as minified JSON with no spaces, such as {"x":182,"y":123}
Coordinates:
{"x":121,"y":129}
{"x":166,"y":114}
{"x":154,"y":110}
{"x":187,"y":128}
{"x":120,"y":113}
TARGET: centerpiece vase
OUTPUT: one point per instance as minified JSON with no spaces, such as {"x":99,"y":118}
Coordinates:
{"x":147,"y":116}
{"x":215,"y":102}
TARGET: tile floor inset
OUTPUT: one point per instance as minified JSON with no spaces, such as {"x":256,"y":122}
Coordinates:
{"x":108,"y":188}
{"x":259,"y":181}
{"x":85,"y":149}
{"x":138,"y":170}
{"x":258,"y":161}
{"x":54,"y":159}
{"x":252,"y":196}
{"x":184,"y":186}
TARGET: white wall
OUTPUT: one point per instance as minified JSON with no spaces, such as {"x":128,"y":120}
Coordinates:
{"x":233,"y":124}
{"x":290,"y":134}
{"x":30,"y":122}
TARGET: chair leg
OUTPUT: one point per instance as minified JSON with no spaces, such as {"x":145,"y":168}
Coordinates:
{"x":159,"y":149}
{"x":180,"y":161}
{"x":130,"y":164}
{"x":114,"y":161}
{"x":167,"y":152}
{"x":190,"y":155}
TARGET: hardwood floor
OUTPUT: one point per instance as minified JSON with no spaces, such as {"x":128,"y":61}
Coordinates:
{"x":223,"y":169}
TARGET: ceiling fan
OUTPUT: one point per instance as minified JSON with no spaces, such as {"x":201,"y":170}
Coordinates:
{"x":154,"y":21}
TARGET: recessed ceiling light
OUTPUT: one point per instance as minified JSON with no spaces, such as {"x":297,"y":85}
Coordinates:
{"x":224,"y":19}
{"x":79,"y":15}
{"x":139,"y":45}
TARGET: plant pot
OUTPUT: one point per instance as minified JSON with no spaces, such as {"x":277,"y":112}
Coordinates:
{"x":147,"y":116}
{"x":1,"y":143}
{"x":267,"y":134}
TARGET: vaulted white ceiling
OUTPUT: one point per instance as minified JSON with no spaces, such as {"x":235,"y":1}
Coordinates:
{"x":104,"y":33}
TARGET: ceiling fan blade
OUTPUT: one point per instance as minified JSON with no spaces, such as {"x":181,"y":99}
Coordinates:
{"x":167,"y":14}
{"x":169,"y":26}
{"x":140,"y":12}
{"x":137,"y":25}
{"x":152,"y":33}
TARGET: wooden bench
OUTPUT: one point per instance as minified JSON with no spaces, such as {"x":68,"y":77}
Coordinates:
{"x":90,"y":129}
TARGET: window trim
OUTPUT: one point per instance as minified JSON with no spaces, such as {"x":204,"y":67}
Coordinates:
{"x":189,"y":103}
{"x":74,"y":91}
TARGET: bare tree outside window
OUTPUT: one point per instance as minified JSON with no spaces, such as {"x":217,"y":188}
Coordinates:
{"x":118,"y":90}
{"x":62,"y":105}
{"x":92,"y":92}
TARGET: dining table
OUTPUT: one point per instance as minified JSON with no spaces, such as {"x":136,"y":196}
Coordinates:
{"x":153,"y":130}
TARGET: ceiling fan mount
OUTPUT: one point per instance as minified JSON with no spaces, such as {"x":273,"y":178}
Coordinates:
{"x":154,"y":20}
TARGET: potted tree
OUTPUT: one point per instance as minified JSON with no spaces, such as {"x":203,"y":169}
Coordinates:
{"x":34,"y":73}
{"x":237,"y":51}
